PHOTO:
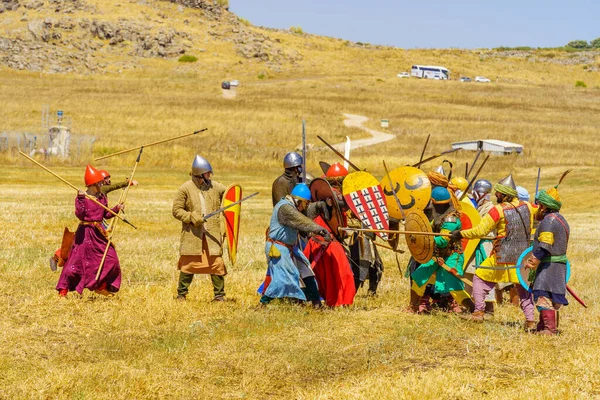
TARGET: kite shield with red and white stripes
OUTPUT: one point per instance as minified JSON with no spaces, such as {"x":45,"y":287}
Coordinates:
{"x":366,"y":199}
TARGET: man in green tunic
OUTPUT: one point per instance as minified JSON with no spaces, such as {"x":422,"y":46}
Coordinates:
{"x":447,"y":251}
{"x":201,"y":247}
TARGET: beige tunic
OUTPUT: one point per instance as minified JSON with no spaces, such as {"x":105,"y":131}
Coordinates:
{"x":201,"y":245}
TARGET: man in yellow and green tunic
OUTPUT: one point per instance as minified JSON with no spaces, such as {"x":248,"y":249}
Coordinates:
{"x":549,"y":260}
{"x":201,"y":247}
{"x":447,"y":251}
{"x":513,"y":221}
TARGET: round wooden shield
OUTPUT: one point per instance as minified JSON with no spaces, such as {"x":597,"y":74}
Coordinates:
{"x":321,"y":190}
{"x":420,"y":246}
{"x":412,"y":187}
{"x":526,"y":275}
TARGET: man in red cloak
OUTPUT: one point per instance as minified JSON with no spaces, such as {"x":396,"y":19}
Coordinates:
{"x":331,"y":267}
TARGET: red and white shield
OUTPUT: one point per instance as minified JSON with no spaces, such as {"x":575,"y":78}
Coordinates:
{"x":366,"y":199}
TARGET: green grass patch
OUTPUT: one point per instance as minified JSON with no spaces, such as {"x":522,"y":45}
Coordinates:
{"x":188,"y":58}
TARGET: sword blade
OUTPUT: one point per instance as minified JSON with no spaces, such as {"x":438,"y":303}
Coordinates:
{"x":303,"y":151}
{"x":220,"y":210}
{"x":537,"y":185}
{"x":347,"y":152}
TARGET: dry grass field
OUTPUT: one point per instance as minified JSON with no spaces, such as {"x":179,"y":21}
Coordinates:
{"x":144,"y":344}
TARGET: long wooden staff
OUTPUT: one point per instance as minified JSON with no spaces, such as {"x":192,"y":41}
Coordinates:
{"x":150,"y":144}
{"x":113,"y":223}
{"x":393,"y":186}
{"x":473,"y":165}
{"x":350,"y":163}
{"x":424,"y":148}
{"x":92,"y":198}
{"x":433,"y":157}
{"x":397,"y":232}
{"x":450,"y":270}
{"x":472,"y":181}
{"x":388,"y":247}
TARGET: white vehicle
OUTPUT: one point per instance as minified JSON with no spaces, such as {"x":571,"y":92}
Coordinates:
{"x":482,"y":79}
{"x":234,"y":82}
{"x":403,"y":75}
{"x":431,"y":72}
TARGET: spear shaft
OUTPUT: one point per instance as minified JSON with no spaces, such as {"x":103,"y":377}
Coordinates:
{"x":433,"y":157}
{"x":350,"y":163}
{"x":92,"y":198}
{"x":150,"y":144}
{"x":113,"y":224}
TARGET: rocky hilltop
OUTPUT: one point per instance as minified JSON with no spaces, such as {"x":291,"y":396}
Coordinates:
{"x":79,"y":36}
{"x":108,"y":36}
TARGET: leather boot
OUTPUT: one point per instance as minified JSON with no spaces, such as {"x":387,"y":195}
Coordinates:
{"x":489,"y":309}
{"x":540,"y":324}
{"x":424,"y":306}
{"x":514,"y":296}
{"x":454,"y":307}
{"x":476,"y":316}
{"x":530,"y":327}
{"x":549,"y":319}
{"x":413,"y":307}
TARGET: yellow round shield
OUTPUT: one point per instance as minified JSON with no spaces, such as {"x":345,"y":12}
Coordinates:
{"x":420,"y":246}
{"x":412,"y":187}
{"x":469,"y":218}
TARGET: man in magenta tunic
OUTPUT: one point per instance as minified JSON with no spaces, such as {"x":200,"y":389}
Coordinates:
{"x":89,"y":244}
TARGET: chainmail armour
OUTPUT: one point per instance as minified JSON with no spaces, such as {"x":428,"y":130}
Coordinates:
{"x":288,"y":215}
{"x":518,"y":233}
{"x":551,"y":276}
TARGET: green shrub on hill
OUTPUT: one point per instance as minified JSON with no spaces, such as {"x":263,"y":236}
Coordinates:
{"x":188,"y":58}
{"x":595,"y":43}
{"x":297,"y":30}
{"x":580,"y":84}
{"x":578,"y":44}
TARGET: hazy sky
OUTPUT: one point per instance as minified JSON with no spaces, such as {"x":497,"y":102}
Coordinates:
{"x":433,"y":23}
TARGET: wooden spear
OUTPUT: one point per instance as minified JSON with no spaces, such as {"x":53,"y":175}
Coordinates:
{"x":396,"y":232}
{"x":113,"y":223}
{"x":92,"y":198}
{"x":433,"y":157}
{"x":150,"y":144}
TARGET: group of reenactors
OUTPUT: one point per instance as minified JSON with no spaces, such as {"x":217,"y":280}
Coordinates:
{"x":317,"y":252}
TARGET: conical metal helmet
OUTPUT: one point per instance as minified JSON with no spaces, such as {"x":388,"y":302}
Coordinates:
{"x":440,"y":170}
{"x":508,"y":181}
{"x":200,"y":166}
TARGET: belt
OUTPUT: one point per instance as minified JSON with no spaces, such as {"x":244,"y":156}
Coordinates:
{"x":98,"y":225}
{"x":289,"y":246}
{"x":562,"y":259}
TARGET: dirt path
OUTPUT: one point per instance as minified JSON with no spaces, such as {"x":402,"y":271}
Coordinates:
{"x":357,"y":121}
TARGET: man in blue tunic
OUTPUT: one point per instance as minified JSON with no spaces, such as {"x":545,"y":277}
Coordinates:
{"x":287,"y":265}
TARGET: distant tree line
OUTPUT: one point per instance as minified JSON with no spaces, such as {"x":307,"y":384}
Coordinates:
{"x":584,"y":44}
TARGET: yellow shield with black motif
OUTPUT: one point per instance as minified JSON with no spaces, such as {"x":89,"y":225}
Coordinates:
{"x":469,"y":218}
{"x":412,"y":187}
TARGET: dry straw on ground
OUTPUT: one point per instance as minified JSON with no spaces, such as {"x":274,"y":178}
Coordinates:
{"x":143,"y":344}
